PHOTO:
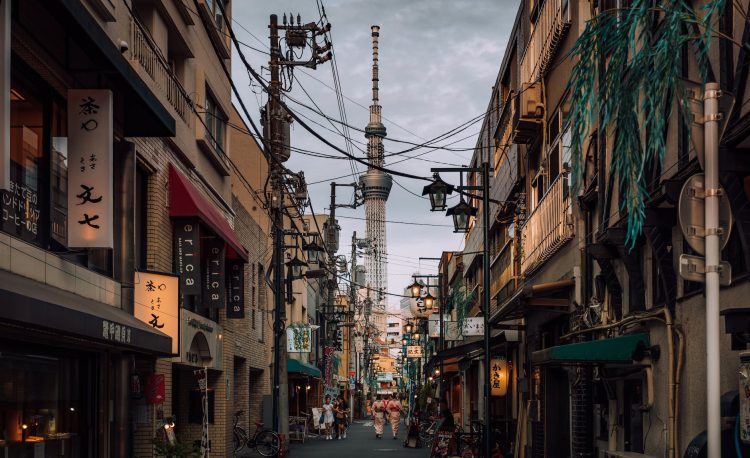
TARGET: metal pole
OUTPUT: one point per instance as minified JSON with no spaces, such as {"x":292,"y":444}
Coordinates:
{"x":352,"y":301}
{"x":486,"y":303}
{"x":713,"y":254}
{"x":278,"y":221}
{"x":441,"y":337}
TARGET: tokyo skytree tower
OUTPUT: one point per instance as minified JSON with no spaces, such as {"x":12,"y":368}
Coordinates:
{"x":376,"y":186}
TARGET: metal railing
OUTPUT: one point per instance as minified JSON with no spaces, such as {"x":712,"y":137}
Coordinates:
{"x":504,"y":133}
{"x":503,"y":270}
{"x":144,"y":51}
{"x":547,"y":227}
{"x":547,"y":33}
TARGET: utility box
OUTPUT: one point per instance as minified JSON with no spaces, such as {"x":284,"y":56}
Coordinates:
{"x":744,"y":395}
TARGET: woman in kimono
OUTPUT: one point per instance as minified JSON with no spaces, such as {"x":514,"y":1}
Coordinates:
{"x":394,"y":414}
{"x":378,"y":416}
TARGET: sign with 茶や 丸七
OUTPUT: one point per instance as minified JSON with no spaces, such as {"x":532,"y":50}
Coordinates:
{"x":236,"y":290}
{"x":187,"y":245}
{"x":414,"y":351}
{"x":157,"y":304}
{"x":214,"y":286}
{"x":90,"y":168}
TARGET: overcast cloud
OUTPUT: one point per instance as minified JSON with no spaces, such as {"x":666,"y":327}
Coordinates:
{"x":438,"y":62}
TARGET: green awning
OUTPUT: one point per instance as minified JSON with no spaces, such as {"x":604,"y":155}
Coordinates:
{"x":621,"y":349}
{"x":300,"y":367}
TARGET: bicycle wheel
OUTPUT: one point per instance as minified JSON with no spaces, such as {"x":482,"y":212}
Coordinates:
{"x":267,"y":443}
{"x":239,"y":439}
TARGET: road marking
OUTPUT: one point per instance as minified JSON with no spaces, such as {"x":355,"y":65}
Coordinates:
{"x":367,"y":423}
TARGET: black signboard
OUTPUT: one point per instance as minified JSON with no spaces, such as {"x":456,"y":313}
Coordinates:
{"x":187,"y":255}
{"x":236,"y":287}
{"x":214,"y":277}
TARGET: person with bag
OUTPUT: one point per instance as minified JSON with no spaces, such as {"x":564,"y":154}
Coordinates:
{"x":342,"y":409}
{"x":394,"y":415}
{"x":328,"y":417}
{"x":378,"y":416}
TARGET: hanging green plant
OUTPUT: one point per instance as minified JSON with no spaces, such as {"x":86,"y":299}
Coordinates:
{"x":627,"y":73}
{"x":462,"y":303}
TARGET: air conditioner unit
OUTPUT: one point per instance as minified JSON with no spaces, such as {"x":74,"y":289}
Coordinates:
{"x":531,"y":103}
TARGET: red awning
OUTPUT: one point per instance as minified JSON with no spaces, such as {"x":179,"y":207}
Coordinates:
{"x":186,"y":200}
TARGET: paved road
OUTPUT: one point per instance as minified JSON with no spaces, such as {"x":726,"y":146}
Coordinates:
{"x":360,"y":443}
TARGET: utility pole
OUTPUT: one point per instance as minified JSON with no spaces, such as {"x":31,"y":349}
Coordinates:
{"x":353,"y":361}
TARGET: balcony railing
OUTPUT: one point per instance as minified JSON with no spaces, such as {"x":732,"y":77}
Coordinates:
{"x":503,"y":272}
{"x":144,"y":51}
{"x":548,"y":32}
{"x":547,"y":227}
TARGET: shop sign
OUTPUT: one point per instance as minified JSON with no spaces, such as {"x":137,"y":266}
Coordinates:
{"x":236,"y":287}
{"x":330,"y":391}
{"x":298,"y":339}
{"x":116,"y":332}
{"x":434,"y":324}
{"x":414,"y":351}
{"x":473,"y":326}
{"x":200,"y":341}
{"x":155,"y":389}
{"x":157,"y":303}
{"x":5,"y":89}
{"x":498,"y":377}
{"x":90,"y":168}
{"x":187,"y":255}
{"x":214,"y":287}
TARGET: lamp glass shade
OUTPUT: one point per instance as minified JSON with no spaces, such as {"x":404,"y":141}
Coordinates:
{"x":297,"y":267}
{"x":416,"y":336}
{"x":415,"y":289}
{"x":429,"y":301}
{"x":461,"y":214}
{"x":437,"y":190}
{"x":313,"y":252}
{"x":403,"y":341}
{"x":407,"y":328}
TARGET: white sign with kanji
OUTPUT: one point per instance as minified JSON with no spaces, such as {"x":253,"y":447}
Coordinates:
{"x":414,"y":351}
{"x":157,"y":303}
{"x":473,"y":326}
{"x":90,"y":168}
{"x":298,"y":339}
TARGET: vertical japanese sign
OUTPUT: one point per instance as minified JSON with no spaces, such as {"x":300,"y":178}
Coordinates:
{"x":236,"y":287}
{"x":187,"y":255}
{"x":214,"y":285}
{"x":298,"y":339}
{"x":90,"y":168}
{"x":157,"y":303}
{"x":498,"y":377}
{"x":5,"y":90}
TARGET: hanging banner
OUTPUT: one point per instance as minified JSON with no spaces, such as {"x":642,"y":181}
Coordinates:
{"x":414,"y":351}
{"x":473,"y":326}
{"x":498,"y":377}
{"x":236,"y":287}
{"x":328,"y":360}
{"x":5,"y":89}
{"x":298,"y":339}
{"x":90,"y":168}
{"x":214,"y":287}
{"x":187,"y":244}
{"x":157,"y":303}
{"x":434,"y":324}
{"x":155,"y":389}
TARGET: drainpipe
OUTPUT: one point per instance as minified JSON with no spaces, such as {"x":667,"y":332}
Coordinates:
{"x":713,"y":254}
{"x":123,"y":272}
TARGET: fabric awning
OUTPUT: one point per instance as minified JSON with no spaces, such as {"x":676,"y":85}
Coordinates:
{"x":301,"y":367}
{"x":186,"y":200}
{"x":623,"y":349}
{"x":30,"y":304}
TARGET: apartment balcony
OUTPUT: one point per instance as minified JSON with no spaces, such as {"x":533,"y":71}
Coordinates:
{"x":549,"y":30}
{"x":547,"y":228}
{"x":503,"y":273}
{"x":145,"y":54}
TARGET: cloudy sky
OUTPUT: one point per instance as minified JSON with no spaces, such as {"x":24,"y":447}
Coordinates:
{"x":438,"y":62}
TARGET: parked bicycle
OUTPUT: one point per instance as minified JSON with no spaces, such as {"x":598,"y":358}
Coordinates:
{"x":264,"y":441}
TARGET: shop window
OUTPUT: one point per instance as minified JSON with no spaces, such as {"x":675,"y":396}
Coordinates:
{"x":215,"y":123}
{"x":44,"y":405}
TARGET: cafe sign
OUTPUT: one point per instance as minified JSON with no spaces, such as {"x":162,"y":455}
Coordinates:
{"x":157,"y":298}
{"x":90,"y":186}
{"x":187,"y":255}
{"x":200,"y":341}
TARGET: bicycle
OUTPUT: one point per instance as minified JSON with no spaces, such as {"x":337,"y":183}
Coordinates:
{"x":427,"y":431}
{"x":265,"y":441}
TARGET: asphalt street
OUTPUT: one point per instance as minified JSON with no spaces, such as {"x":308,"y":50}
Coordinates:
{"x":360,"y":443}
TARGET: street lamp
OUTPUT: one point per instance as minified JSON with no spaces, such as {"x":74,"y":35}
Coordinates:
{"x":416,"y":336}
{"x":416,"y":289}
{"x":462,"y":214}
{"x":407,"y":328}
{"x":404,"y":341}
{"x":438,"y":190}
{"x":429,"y":301}
{"x":296,"y":265}
{"x":313,"y":251}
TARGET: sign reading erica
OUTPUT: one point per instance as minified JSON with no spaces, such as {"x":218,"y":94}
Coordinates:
{"x":187,"y":255}
{"x":214,"y":287}
{"x":157,"y":303}
{"x":236,"y":289}
{"x":90,"y":168}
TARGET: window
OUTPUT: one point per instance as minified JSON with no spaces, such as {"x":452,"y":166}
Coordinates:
{"x":215,"y":123}
{"x":215,"y":7}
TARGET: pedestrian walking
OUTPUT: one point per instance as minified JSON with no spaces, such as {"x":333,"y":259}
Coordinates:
{"x":328,"y":417}
{"x":394,"y":414}
{"x":342,"y":411}
{"x":378,"y":416}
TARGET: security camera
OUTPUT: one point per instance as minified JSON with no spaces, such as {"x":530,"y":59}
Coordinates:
{"x":124,"y":46}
